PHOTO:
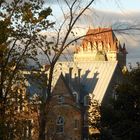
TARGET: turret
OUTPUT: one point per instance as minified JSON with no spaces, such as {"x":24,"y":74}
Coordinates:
{"x":102,"y":42}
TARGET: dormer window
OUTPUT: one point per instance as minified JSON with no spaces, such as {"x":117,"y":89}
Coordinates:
{"x":60,"y":99}
{"x":75,"y":94}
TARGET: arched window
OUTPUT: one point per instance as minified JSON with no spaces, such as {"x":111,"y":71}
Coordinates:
{"x":60,"y":124}
{"x":114,"y":93}
{"x":75,"y":94}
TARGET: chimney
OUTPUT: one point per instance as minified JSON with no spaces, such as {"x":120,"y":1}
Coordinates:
{"x":79,"y":82}
{"x":70,"y":74}
{"x":79,"y":75}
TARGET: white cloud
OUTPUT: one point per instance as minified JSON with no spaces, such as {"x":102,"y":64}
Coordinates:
{"x":120,"y":20}
{"x":94,"y":18}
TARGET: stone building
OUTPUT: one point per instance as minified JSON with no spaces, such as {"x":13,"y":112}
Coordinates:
{"x":97,"y":65}
{"x":63,"y":114}
{"x":95,"y":71}
{"x":64,"y":119}
{"x":20,"y":115}
{"x":101,"y":46}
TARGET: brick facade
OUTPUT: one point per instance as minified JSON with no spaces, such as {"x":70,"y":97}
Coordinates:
{"x":64,"y":118}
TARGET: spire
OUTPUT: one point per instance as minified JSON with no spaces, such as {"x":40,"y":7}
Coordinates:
{"x":124,"y":49}
{"x":124,"y":46}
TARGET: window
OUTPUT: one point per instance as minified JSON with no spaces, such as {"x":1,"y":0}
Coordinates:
{"x":75,"y":94}
{"x":76,"y":124}
{"x":26,"y":129}
{"x":60,"y":125}
{"x":60,"y":99}
{"x":114,"y":95}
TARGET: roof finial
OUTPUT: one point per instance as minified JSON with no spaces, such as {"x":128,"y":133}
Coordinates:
{"x":123,"y":45}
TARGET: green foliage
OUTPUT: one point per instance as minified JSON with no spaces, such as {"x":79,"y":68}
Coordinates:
{"x":3,"y":30}
{"x":123,"y":117}
{"x":20,"y":27}
{"x":129,"y":96}
{"x":45,"y":13}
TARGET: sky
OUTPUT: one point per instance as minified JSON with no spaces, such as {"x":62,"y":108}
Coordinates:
{"x":123,"y":11}
{"x":106,"y":13}
{"x":118,"y":5}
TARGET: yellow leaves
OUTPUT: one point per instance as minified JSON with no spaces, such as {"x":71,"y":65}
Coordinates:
{"x":3,"y":47}
{"x":27,"y":12}
{"x":34,"y":20}
{"x":45,"y":13}
{"x":27,"y":15}
{"x":30,"y":16}
{"x":124,"y":70}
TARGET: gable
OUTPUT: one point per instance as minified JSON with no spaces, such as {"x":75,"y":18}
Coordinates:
{"x":95,"y":77}
{"x":60,"y":88}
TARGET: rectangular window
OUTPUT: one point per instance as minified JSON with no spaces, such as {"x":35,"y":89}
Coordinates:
{"x":60,"y":99}
{"x":59,"y":128}
{"x":27,"y":124}
{"x":76,"y":124}
{"x":60,"y":124}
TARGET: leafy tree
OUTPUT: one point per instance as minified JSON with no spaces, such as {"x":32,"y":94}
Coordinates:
{"x":20,"y":24}
{"x":125,"y":116}
{"x":94,"y":116}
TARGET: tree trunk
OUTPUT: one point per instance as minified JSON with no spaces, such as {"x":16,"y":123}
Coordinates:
{"x":45,"y":108}
{"x":42,"y":125}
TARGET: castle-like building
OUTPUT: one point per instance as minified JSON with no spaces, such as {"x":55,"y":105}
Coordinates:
{"x":92,"y":75}
{"x":101,"y":44}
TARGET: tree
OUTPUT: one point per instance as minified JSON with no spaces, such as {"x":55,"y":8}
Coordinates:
{"x":20,"y":24}
{"x":125,"y":122}
{"x":94,"y":118}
